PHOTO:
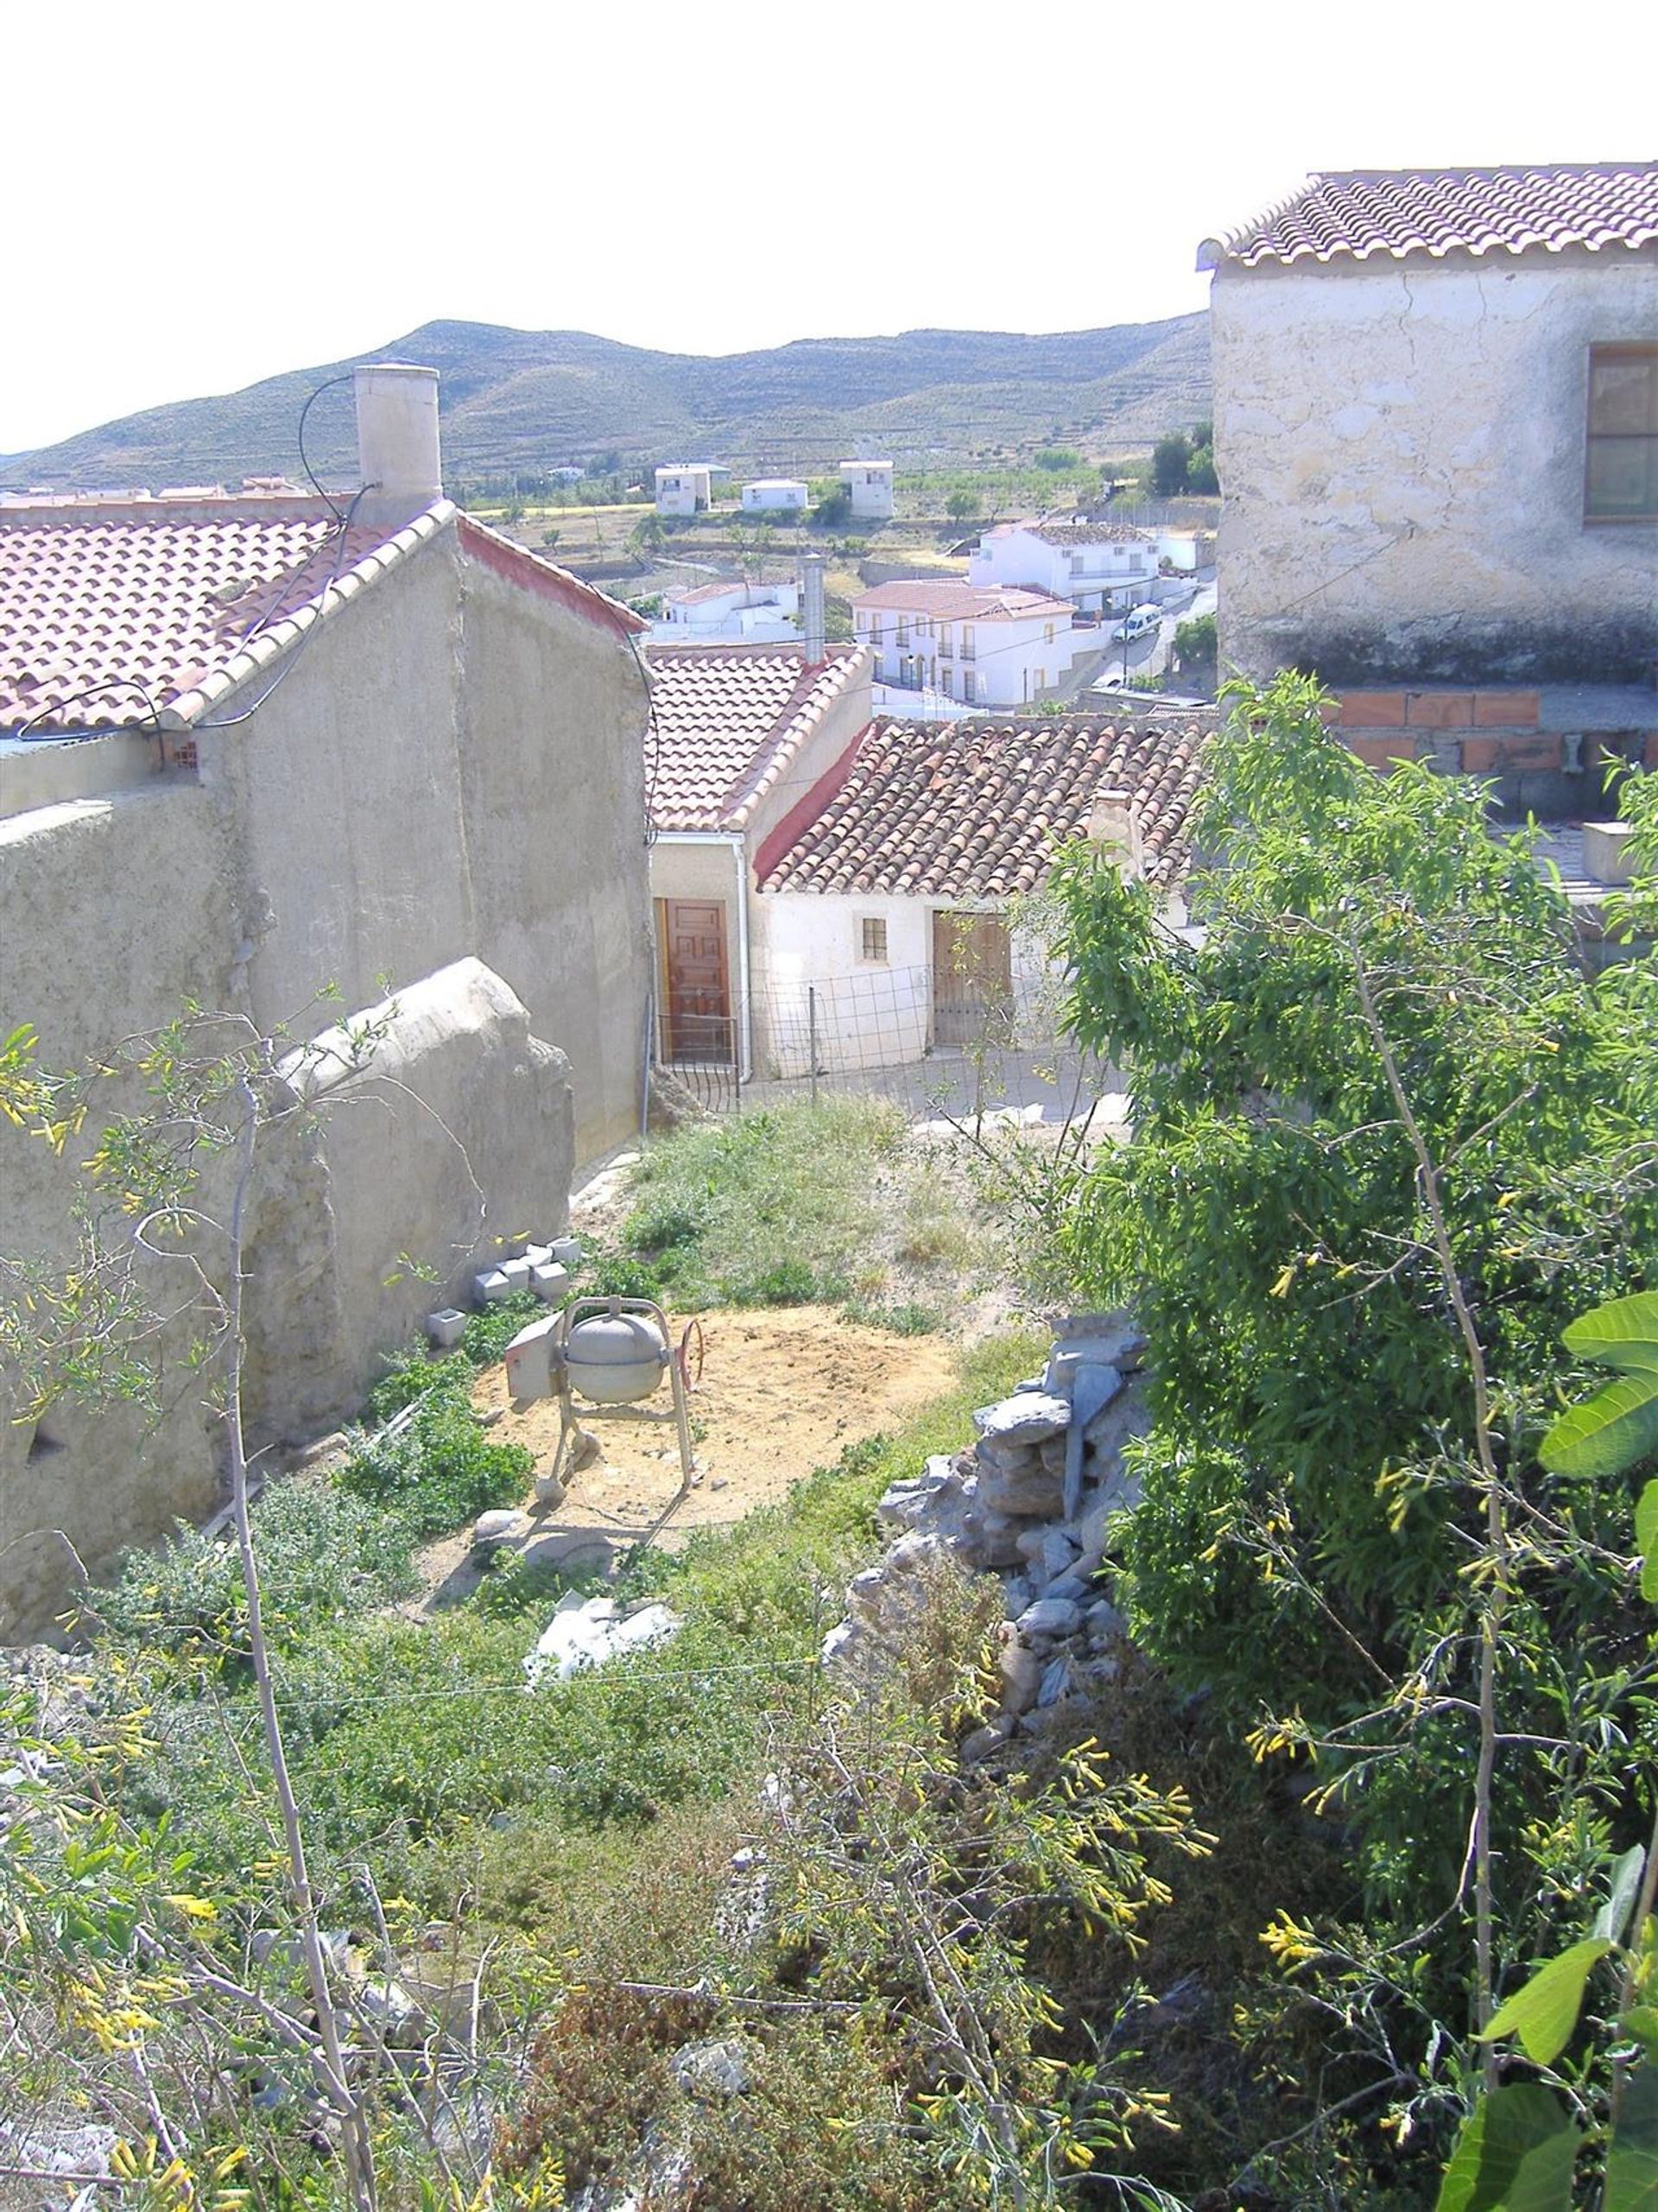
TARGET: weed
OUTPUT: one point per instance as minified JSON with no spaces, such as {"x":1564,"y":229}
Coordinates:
{"x":439,"y":1472}
{"x":906,"y":1319}
{"x":487,"y":1334}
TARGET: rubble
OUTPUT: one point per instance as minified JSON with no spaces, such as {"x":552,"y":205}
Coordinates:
{"x":1032,"y":1502}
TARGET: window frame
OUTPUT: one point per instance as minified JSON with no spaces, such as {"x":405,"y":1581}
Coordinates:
{"x":868,"y":923}
{"x":1608,"y":350}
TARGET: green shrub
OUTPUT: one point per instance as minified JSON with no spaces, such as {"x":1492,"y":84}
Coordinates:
{"x":487,"y":1334}
{"x":415,"y":1376}
{"x":324,"y":1555}
{"x":440,"y":1472}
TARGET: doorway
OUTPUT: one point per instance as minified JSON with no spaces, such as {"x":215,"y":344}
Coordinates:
{"x":694,"y":1025}
{"x":972,"y":978}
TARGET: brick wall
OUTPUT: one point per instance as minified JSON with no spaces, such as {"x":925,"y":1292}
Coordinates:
{"x":1476,"y":732}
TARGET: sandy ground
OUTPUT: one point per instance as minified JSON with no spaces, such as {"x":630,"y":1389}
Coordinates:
{"x":782,"y":1390}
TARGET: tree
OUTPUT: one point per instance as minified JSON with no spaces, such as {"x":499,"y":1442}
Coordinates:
{"x":961,"y":506}
{"x":1170,"y":459}
{"x":1200,"y":478}
{"x":1389,"y":1138}
{"x":1196,"y":640}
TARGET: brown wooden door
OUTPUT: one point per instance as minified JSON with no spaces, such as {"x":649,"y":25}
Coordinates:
{"x":972,"y":978}
{"x":696,"y":999}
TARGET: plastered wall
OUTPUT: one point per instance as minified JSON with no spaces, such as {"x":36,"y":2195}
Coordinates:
{"x":1401,"y":449}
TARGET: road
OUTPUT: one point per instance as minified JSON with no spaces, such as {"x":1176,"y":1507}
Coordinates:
{"x":1149,"y":655}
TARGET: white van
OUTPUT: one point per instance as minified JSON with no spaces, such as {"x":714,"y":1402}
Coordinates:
{"x":1138,"y":622}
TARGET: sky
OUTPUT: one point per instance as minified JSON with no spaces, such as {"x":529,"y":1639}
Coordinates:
{"x":200,"y":196}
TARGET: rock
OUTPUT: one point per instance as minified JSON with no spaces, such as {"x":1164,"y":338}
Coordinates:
{"x":1093,"y":1388}
{"x":979,"y":1745}
{"x":1068,"y":1368}
{"x":1056,"y":1682}
{"x":1016,"y":1595}
{"x":718,"y":2069}
{"x":990,"y":1540}
{"x":570,"y":1552}
{"x":1030,"y":1418}
{"x":1021,"y":1672}
{"x":1104,"y":1622}
{"x":1049,"y":1617}
{"x":506,"y":1525}
{"x":586,"y":1631}
{"x":1027,"y":1497}
{"x":549,"y":1489}
{"x":1126,"y":1415}
{"x":1074,"y":1587}
{"x":1006,"y":1459}
{"x":320,"y":1447}
{"x":1053,"y":1455}
{"x":842,"y":1644}
{"x":401,"y":2020}
{"x":84,"y":2150}
{"x":1050,"y":1551}
{"x":1112,"y":1339}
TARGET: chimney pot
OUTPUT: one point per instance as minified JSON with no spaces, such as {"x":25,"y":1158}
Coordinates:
{"x":397,"y":445}
{"x":812,"y":619}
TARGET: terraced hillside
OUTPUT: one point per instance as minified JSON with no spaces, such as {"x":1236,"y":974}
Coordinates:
{"x":526,"y":400}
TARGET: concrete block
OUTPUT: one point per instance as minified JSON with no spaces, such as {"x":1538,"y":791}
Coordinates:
{"x":1607,"y":857}
{"x":517,"y":1273}
{"x":549,"y":1282}
{"x":491,"y":1287}
{"x":538,"y":1256}
{"x":566,"y":1250}
{"x":446,"y":1327}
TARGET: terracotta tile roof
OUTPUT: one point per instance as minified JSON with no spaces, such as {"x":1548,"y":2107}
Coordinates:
{"x":975,"y":811}
{"x":115,"y":611}
{"x":1352,"y":214}
{"x":108,"y":610}
{"x":728,"y":719}
{"x":945,"y":600}
{"x":697,"y":594}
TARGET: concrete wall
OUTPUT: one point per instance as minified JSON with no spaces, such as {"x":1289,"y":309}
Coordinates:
{"x":1401,"y":449}
{"x":452,"y":768}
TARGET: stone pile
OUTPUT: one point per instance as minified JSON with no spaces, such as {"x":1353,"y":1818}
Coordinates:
{"x":1032,"y":1502}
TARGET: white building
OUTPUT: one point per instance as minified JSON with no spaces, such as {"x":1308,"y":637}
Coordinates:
{"x":979,"y":646}
{"x":683,"y":488}
{"x":885,"y":893}
{"x":1096,"y":565}
{"x":868,"y":485}
{"x":773,"y":495}
{"x":729,"y":611}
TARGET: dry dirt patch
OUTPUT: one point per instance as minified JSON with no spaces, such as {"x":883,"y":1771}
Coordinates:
{"x":784,"y":1389}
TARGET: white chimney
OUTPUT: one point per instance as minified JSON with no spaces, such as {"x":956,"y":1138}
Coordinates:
{"x":397,"y":448}
{"x":1114,"y":824}
{"x":812,"y":609}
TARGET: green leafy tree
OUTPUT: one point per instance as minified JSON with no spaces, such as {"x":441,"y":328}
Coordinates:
{"x":1390,"y":1138}
{"x":961,"y":506}
{"x":1171,"y":456}
{"x":1200,"y":478}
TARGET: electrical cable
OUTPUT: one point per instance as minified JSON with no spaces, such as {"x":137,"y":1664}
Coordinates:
{"x":91,"y":691}
{"x":346,"y":377}
{"x":291,"y":659}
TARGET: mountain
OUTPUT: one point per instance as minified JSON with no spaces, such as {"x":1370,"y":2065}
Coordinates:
{"x":521,"y":401}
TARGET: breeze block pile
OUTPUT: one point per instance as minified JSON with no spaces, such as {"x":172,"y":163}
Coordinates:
{"x":1031,"y":1502}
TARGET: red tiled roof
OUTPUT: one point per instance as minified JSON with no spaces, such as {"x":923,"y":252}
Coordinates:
{"x":1352,"y":214}
{"x":697,"y":594}
{"x":947,"y":599}
{"x":975,"y":811}
{"x":115,"y":610}
{"x":108,"y":610}
{"x":727,"y":720}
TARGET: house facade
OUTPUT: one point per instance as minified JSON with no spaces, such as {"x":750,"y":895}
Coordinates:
{"x":868,"y":487}
{"x":979,"y":645}
{"x":684,"y":488}
{"x":1436,"y":428}
{"x":1099,"y":567}
{"x":892,"y":897}
{"x":776,"y":495}
{"x":258,"y":750}
{"x":739,"y":734}
{"x":729,"y":611}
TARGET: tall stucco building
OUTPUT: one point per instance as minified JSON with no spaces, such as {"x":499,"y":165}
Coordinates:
{"x":260,"y":746}
{"x":1436,"y":427}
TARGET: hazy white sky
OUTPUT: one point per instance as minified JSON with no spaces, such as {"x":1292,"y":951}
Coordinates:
{"x":201,"y":195}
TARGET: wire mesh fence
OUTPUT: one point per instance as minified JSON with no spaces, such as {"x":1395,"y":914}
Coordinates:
{"x":940,"y":1047}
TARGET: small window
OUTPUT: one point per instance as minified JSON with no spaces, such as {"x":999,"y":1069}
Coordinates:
{"x":872,"y":938}
{"x":1621,"y":466}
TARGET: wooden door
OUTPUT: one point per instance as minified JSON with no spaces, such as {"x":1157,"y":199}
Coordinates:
{"x":972,"y":978}
{"x":696,"y":1024}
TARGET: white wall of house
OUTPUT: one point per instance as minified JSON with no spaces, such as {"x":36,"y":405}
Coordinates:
{"x":682,"y":490}
{"x":867,"y":1013}
{"x":868,"y":485}
{"x":1401,"y":448}
{"x":1089,"y":576}
{"x":773,"y":495}
{"x":1003,"y":660}
{"x":752,"y":613}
